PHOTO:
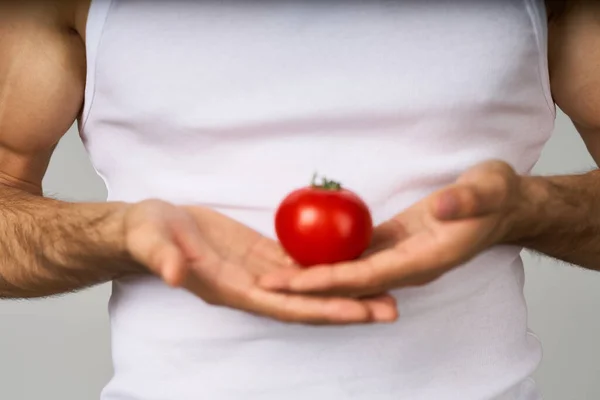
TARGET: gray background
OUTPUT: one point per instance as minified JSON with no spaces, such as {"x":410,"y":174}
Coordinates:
{"x":59,"y":349}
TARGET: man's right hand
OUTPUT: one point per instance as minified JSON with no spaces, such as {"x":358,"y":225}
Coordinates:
{"x":220,"y":261}
{"x":49,"y":247}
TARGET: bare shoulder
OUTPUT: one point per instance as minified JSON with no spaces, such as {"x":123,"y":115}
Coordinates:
{"x":42,"y":80}
{"x":574,"y":61}
{"x":57,"y":13}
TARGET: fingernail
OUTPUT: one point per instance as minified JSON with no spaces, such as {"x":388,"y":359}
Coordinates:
{"x":387,"y":315}
{"x":448,"y":205}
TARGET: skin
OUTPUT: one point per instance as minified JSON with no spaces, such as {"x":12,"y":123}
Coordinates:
{"x":490,"y":204}
{"x":48,"y":247}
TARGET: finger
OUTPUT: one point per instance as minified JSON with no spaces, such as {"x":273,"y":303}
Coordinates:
{"x":174,"y":270}
{"x":324,"y":278}
{"x":468,"y":201}
{"x":481,"y":190}
{"x":382,"y":308}
{"x":371,"y":275}
{"x":320,"y":310}
{"x":411,"y":263}
{"x":316,"y":281}
{"x":456,"y":202}
{"x":279,"y":279}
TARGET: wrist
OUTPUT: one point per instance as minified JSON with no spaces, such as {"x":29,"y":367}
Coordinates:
{"x":105,"y":232}
{"x":112,"y":232}
{"x":527,"y":216}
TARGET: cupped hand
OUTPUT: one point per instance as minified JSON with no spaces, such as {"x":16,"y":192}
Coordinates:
{"x":221,"y":260}
{"x":425,"y":241}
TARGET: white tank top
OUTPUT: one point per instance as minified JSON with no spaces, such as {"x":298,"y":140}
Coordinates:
{"x":232,"y":104}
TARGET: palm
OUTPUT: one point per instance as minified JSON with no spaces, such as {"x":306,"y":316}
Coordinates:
{"x":430,"y":244}
{"x":423,"y":242}
{"x":413,"y":248}
{"x":220,"y":260}
{"x":242,"y":255}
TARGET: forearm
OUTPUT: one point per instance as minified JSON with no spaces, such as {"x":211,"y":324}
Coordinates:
{"x":560,"y":216}
{"x":49,"y":247}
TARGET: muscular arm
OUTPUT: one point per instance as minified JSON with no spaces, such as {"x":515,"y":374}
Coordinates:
{"x":49,"y":247}
{"x":562,"y":214}
{"x":46,"y":246}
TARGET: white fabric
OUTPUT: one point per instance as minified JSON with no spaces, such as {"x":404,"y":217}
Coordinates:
{"x":231,"y":104}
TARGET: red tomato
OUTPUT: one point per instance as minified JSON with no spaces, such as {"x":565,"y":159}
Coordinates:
{"x":323,"y":224}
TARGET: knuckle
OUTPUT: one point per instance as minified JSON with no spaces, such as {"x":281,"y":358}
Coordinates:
{"x":371,"y":281}
{"x":500,"y":183}
{"x":369,"y":276}
{"x":471,"y":201}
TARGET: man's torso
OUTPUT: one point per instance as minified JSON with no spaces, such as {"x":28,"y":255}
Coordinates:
{"x":232,"y":104}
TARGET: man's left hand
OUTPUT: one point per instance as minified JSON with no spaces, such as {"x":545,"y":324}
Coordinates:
{"x":435,"y":235}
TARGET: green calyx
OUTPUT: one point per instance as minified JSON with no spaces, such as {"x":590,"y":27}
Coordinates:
{"x":325,"y":184}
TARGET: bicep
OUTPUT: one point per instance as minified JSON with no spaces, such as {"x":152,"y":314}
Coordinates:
{"x":42,"y":77}
{"x":574,"y":59}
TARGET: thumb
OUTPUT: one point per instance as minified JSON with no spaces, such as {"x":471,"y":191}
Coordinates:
{"x":480,"y":191}
{"x":154,"y":247}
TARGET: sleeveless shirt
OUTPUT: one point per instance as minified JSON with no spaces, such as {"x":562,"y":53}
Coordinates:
{"x":232,"y":104}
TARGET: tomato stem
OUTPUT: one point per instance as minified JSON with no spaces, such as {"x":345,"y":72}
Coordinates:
{"x":326,"y":184}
